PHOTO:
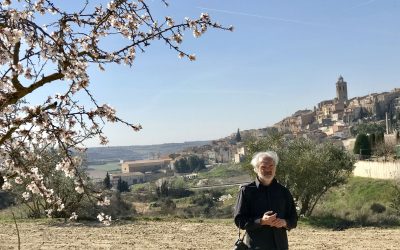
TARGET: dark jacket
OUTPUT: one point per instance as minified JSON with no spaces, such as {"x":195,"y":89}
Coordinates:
{"x":253,"y":201}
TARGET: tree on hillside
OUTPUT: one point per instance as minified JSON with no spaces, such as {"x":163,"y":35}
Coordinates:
{"x":189,"y":164}
{"x":162,"y":188}
{"x":308,"y":169}
{"x":367,"y":128}
{"x":1,"y":180}
{"x":122,"y":186}
{"x":372,"y":141}
{"x":238,"y":138}
{"x":379,"y":137}
{"x":42,"y":44}
{"x":362,"y":145}
{"x":107,"y":182}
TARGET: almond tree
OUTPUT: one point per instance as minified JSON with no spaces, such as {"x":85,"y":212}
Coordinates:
{"x":33,"y":55}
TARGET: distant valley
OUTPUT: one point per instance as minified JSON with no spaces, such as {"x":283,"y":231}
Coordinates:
{"x":100,"y":155}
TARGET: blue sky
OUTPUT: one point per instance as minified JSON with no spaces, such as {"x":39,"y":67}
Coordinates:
{"x":283,"y":56}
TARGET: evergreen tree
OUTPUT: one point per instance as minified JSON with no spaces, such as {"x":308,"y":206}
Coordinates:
{"x":1,"y":181}
{"x":362,"y":145}
{"x":238,"y":138}
{"x":379,"y":137}
{"x":125,"y":186}
{"x":107,"y":182}
{"x":122,"y":186}
{"x":372,"y":141}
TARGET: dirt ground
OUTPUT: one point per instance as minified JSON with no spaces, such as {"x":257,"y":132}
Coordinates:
{"x":180,"y":235}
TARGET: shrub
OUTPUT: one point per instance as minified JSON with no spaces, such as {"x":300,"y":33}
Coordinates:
{"x":377,"y":208}
{"x":6,"y":199}
{"x":168,"y":205}
{"x":395,"y":201}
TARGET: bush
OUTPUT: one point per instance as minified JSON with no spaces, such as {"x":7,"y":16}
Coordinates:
{"x":6,"y":199}
{"x":377,"y":208}
{"x":395,"y":201}
{"x":202,"y":200}
{"x":119,"y":208}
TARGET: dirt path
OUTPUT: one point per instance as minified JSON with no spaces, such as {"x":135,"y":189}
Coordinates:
{"x":181,"y":235}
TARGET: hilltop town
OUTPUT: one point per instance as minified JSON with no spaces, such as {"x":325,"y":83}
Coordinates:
{"x":334,"y":117}
{"x":329,"y":120}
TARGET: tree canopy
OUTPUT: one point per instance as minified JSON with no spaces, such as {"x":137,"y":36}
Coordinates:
{"x":362,"y":145}
{"x":107,"y":182}
{"x":189,"y":164}
{"x":367,"y":128}
{"x":122,"y":186}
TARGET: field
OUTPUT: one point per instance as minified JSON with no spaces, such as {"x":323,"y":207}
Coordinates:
{"x":100,"y":171}
{"x":217,"y":234}
{"x":109,"y":166}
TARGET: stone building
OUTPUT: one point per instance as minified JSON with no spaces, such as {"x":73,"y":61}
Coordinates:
{"x":341,"y":90}
{"x":144,"y":166}
{"x":130,"y":178}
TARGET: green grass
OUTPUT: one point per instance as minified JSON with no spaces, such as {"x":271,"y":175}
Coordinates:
{"x":110,"y":166}
{"x":223,"y":171}
{"x":20,"y":213}
{"x":351,"y":205}
{"x":358,"y":193}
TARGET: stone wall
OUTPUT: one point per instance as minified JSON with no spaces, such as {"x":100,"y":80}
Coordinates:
{"x":377,"y":170}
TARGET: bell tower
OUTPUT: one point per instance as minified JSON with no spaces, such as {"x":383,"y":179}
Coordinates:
{"x":341,"y":90}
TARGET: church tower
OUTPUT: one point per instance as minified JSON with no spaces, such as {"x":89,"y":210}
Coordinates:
{"x":341,"y":90}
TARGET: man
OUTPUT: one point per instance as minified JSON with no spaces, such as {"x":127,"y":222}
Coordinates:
{"x":265,"y":208}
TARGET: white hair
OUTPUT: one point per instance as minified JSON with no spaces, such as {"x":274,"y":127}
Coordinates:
{"x":258,"y":157}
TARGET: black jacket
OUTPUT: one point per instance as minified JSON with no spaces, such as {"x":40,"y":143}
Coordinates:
{"x":253,"y":201}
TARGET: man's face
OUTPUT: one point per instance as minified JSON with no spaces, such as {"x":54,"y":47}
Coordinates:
{"x":266,"y":169}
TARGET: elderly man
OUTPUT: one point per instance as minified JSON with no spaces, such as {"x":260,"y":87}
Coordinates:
{"x":265,"y":208}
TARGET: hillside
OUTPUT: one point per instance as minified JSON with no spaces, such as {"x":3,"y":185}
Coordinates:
{"x":107,"y":154}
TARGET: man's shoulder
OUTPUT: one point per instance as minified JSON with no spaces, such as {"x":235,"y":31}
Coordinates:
{"x":249,"y":185}
{"x":282,"y":187}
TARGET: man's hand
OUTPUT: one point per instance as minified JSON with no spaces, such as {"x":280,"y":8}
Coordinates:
{"x":269,"y":218}
{"x":279,"y":223}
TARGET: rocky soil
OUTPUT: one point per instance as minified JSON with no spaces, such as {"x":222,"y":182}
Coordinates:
{"x":179,"y":235}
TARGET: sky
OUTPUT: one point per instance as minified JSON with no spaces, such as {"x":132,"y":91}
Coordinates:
{"x":283,"y":56}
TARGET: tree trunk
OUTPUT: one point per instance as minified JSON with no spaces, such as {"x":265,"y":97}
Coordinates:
{"x":304,"y":206}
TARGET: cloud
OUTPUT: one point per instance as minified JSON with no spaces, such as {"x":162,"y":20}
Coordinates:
{"x":286,"y":20}
{"x":361,"y":5}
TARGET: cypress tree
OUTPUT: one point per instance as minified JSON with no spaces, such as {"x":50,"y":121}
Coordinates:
{"x":362,"y":145}
{"x":1,"y":181}
{"x":107,"y":182}
{"x":238,"y":137}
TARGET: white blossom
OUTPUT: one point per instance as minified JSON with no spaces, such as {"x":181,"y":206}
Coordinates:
{"x":18,"y":180}
{"x":6,"y":185}
{"x":170,"y":21}
{"x":49,"y":212}
{"x":192,"y":57}
{"x":79,"y":189}
{"x":26,"y":195}
{"x":104,"y":202}
{"x":105,"y":219}
{"x":73,"y":217}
